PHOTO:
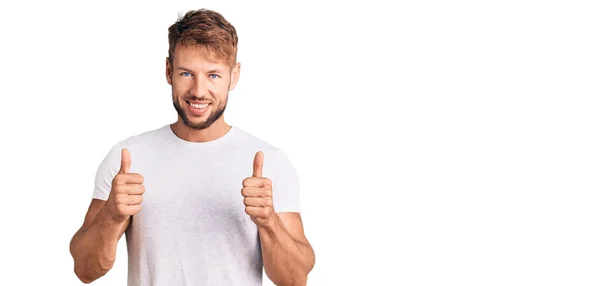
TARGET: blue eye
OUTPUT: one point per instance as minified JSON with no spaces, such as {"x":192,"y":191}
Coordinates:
{"x":214,"y":76}
{"x":185,"y":74}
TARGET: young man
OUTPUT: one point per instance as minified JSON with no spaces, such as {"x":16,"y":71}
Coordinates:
{"x":201,"y":202}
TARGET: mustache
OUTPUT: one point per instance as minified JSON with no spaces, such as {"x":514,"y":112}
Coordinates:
{"x":195,"y":98}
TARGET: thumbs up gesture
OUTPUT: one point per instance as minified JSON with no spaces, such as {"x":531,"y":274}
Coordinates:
{"x":125,"y":196}
{"x":258,"y":194}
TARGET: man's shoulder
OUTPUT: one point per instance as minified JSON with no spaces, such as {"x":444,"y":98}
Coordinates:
{"x":273,"y":153}
{"x":248,"y":139}
{"x":145,"y":137}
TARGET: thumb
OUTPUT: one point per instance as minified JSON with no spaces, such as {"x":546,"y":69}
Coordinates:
{"x":258,"y":164}
{"x":125,"y":161}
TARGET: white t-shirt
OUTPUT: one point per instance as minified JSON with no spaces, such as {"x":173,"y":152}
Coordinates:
{"x":192,"y":229}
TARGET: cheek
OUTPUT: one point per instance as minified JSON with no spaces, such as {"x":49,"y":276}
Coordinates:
{"x":224,"y":87}
{"x":180,"y":88}
{"x":219,"y":90}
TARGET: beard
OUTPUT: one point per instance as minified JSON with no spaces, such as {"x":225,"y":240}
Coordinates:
{"x":212,"y":117}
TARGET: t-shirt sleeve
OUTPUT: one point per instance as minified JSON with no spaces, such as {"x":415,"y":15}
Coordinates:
{"x":286,"y":184}
{"x":106,"y":172}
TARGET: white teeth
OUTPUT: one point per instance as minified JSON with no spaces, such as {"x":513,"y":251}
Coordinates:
{"x":199,"y":105}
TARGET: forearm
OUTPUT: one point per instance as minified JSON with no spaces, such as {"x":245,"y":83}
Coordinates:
{"x":286,"y":260}
{"x":94,"y":248}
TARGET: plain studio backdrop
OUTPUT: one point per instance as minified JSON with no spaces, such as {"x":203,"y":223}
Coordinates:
{"x":437,"y":142}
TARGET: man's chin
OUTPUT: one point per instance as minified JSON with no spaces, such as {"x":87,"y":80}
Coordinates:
{"x":196,"y":124}
{"x":197,"y":121}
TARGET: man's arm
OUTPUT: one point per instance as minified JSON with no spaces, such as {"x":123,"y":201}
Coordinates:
{"x":94,"y":246}
{"x":288,"y":257}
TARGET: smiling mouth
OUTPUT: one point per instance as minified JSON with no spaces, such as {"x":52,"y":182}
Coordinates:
{"x":198,"y":108}
{"x":199,"y":105}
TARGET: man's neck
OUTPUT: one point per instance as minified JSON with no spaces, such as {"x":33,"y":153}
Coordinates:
{"x":215,"y":131}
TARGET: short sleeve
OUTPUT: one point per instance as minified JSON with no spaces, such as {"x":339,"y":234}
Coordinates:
{"x":106,"y":172}
{"x":286,"y":184}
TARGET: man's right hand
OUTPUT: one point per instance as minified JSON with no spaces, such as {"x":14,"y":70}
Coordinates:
{"x":125,"y":196}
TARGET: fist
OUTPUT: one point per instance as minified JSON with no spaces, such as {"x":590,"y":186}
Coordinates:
{"x":125,"y":196}
{"x":258,"y":194}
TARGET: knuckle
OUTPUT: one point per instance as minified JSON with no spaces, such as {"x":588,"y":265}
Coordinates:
{"x":120,"y":189}
{"x":121,"y":179}
{"x":247,"y":210}
{"x":246,"y":182}
{"x":121,"y":209}
{"x":120,"y":198}
{"x":137,"y":200}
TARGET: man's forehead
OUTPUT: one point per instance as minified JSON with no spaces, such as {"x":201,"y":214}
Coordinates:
{"x":197,"y":55}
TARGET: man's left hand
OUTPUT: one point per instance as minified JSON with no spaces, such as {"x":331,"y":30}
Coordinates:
{"x":258,"y":194}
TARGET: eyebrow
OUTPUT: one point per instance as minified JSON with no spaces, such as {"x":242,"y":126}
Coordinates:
{"x":210,"y":71}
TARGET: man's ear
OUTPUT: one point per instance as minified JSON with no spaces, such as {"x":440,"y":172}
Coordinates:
{"x":235,"y":76}
{"x":168,"y":71}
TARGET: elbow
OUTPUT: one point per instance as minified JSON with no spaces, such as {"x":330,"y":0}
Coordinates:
{"x":80,"y":269}
{"x":311,"y":262}
{"x":296,"y":278}
{"x":297,"y":281}
{"x":84,"y":277}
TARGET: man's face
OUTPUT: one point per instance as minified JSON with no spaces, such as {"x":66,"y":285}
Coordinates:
{"x":200,"y":86}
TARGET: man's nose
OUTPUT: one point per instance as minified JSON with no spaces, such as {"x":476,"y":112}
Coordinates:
{"x":200,"y":88}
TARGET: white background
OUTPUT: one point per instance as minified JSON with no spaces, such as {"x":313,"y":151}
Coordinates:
{"x":437,"y":142}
